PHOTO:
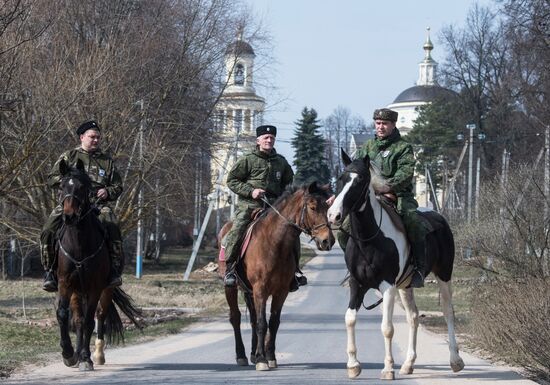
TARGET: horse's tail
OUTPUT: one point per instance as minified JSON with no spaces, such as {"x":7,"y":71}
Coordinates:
{"x":128,"y":307}
{"x":114,"y":329}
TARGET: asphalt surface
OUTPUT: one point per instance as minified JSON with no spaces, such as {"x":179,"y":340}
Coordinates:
{"x":311,"y":348}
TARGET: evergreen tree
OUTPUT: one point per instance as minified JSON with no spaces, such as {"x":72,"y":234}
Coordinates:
{"x":309,"y":146}
{"x":434,"y":136}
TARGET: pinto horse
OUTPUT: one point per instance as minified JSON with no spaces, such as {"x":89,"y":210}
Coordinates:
{"x":376,"y":257}
{"x":83,"y":266}
{"x":269,"y":263}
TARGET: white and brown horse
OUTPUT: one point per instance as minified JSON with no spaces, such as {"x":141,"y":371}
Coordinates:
{"x":377,"y":256}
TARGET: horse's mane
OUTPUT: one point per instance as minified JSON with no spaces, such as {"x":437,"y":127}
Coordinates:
{"x":377,"y":180}
{"x":80,"y":175}
{"x":291,"y":189}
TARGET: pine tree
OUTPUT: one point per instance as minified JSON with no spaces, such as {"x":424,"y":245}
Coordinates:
{"x":309,"y":146}
{"x":434,"y":134}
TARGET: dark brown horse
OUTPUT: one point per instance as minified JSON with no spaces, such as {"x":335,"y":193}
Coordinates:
{"x":268,"y":267}
{"x":83,"y":268}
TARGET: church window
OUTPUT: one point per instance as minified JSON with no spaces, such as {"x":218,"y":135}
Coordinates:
{"x":239,"y":74}
{"x":238,"y":120}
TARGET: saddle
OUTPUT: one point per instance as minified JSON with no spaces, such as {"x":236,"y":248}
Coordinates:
{"x":404,"y":280}
{"x":391,"y":208}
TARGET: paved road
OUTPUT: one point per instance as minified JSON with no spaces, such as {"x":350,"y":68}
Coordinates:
{"x":311,"y":349}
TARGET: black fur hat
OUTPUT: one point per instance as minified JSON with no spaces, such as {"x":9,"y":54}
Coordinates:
{"x":90,"y":125}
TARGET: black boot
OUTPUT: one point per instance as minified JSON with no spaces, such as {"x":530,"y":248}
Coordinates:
{"x":230,"y":279}
{"x":115,"y":279}
{"x":50,"y":282}
{"x":419,"y":255}
{"x":299,"y":280}
{"x":116,"y":253}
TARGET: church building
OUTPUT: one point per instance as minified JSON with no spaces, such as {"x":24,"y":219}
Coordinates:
{"x":238,"y":112}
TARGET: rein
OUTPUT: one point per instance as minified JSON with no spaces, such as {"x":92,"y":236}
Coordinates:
{"x":295,"y":225}
{"x":368,"y":239}
{"x":78,"y":215}
{"x":77,"y":263}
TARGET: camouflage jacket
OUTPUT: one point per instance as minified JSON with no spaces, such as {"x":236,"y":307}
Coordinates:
{"x":99,"y":166}
{"x":270,"y":172}
{"x":395,"y":158}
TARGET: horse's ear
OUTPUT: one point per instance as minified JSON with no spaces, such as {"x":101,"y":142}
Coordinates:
{"x":345,"y":157}
{"x":366,"y":160}
{"x":312,"y":188}
{"x":63,"y":167}
{"x":80,"y":165}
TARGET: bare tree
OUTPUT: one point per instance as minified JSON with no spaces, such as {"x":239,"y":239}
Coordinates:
{"x":149,"y":72}
{"x":338,"y":128}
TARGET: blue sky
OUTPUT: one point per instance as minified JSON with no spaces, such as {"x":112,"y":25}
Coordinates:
{"x":359,"y":54}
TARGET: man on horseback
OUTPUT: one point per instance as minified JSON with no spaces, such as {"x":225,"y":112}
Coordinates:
{"x":106,"y":188}
{"x":259,"y":174}
{"x":395,"y":159}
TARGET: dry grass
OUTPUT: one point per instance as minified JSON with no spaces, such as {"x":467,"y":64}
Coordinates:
{"x":28,"y":326}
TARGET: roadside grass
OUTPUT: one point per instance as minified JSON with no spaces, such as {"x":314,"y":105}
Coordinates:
{"x":28,"y":327}
{"x":428,"y":300}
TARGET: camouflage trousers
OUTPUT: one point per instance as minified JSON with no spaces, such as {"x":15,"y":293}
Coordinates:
{"x":234,"y":236}
{"x":53,"y":224}
{"x":414,"y":225}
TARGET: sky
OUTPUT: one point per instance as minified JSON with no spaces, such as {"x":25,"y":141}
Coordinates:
{"x":358,"y":54}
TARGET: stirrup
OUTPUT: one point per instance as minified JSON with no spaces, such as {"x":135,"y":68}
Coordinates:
{"x":115,"y":281}
{"x":417,"y":280}
{"x":230,"y":280}
{"x":294,"y":285}
{"x":301,"y":279}
{"x":50,"y":283}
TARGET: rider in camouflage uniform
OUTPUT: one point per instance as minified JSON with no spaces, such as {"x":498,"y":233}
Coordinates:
{"x":106,"y":188}
{"x":395,"y":159}
{"x":260,"y":173}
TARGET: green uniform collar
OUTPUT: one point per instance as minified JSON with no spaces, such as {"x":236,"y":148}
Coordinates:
{"x":265,"y":155}
{"x":385,"y":142}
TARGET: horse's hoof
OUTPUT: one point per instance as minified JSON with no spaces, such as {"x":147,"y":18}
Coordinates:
{"x":99,"y":359}
{"x":387,"y":375}
{"x":70,"y":362}
{"x":458,"y":365}
{"x":406,"y":369}
{"x":253,"y":358}
{"x":99,"y":355}
{"x":354,"y":371}
{"x":262,"y":366}
{"x":272,"y":363}
{"x":242,"y":361}
{"x":86,"y":366}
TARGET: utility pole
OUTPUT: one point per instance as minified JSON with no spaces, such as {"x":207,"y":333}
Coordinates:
{"x":198,"y":241}
{"x":477,"y":187}
{"x":546,"y":172}
{"x":157,"y":222}
{"x":453,"y":179}
{"x":470,"y":127}
{"x":139,"y":245}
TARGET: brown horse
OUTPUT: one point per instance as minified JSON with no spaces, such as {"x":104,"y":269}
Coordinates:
{"x":83,"y":268}
{"x":269,"y":263}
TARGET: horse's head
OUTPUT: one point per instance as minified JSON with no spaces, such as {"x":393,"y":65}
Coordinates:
{"x":353,"y":187}
{"x":74,"y":188}
{"x":313,"y":216}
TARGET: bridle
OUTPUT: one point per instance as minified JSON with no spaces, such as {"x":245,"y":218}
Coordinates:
{"x":83,"y":201}
{"x":301,"y":225}
{"x":364,"y":193}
